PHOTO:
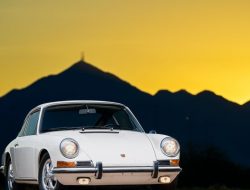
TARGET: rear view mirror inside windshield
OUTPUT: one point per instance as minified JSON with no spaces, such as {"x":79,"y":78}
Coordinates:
{"x":87,"y":111}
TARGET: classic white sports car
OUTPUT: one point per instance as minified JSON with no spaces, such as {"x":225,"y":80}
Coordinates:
{"x":88,"y":143}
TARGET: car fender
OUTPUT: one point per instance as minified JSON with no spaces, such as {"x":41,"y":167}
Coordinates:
{"x":156,"y":140}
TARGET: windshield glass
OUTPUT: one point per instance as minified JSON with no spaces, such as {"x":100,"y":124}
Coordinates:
{"x":69,"y":117}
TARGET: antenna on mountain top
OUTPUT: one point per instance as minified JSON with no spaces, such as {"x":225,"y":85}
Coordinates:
{"x":82,"y":57}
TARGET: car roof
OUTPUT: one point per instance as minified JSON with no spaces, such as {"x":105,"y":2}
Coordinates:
{"x":69,"y":102}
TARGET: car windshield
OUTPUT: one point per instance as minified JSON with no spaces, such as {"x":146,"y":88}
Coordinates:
{"x":70,"y":117}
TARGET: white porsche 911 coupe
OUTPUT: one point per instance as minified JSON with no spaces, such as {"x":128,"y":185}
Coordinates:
{"x":88,"y":143}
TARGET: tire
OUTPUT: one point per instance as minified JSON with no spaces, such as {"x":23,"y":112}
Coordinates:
{"x":46,"y":179}
{"x":10,"y":183}
{"x":171,"y":186}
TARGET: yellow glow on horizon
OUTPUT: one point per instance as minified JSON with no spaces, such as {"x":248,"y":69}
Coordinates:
{"x":162,"y":44}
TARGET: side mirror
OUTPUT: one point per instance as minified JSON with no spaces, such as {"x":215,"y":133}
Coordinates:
{"x":152,"y":132}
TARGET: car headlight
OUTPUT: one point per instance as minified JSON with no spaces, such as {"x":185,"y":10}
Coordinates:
{"x":170,"y":146}
{"x":69,"y":148}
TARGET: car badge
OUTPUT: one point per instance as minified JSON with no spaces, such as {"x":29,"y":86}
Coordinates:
{"x":123,"y":155}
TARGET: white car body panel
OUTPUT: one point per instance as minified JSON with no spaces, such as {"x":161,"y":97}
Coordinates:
{"x":25,"y":151}
{"x":140,"y":150}
{"x":109,"y":147}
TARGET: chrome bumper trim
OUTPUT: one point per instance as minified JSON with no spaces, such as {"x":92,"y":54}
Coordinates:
{"x":155,"y":170}
{"x":98,"y":170}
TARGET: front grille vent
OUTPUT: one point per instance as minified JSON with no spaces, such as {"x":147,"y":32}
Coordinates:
{"x":163,"y":162}
{"x":84,"y":164}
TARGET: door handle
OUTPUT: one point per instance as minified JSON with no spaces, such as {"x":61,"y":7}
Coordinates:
{"x":16,"y":145}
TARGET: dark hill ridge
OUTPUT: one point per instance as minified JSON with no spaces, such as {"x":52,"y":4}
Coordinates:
{"x":203,"y":120}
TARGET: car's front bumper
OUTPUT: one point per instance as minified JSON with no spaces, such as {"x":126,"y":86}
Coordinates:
{"x":136,"y":175}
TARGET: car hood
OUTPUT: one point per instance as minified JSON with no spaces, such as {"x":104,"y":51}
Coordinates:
{"x":113,"y":148}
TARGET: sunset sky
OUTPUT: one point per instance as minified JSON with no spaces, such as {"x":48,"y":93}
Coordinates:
{"x":153,"y":44}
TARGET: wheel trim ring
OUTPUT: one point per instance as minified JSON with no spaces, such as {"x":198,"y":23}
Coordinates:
{"x":48,"y":181}
{"x":10,"y":179}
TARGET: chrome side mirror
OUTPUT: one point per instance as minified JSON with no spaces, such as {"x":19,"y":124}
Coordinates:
{"x":152,"y":132}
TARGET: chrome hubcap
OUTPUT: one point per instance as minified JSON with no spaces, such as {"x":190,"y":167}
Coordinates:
{"x":10,"y":177}
{"x":49,"y":181}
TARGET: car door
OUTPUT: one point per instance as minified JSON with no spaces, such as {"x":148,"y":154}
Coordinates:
{"x":24,"y":150}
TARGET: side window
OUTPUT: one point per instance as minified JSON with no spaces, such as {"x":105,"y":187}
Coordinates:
{"x":32,"y":122}
{"x":21,"y":133}
{"x":30,"y":125}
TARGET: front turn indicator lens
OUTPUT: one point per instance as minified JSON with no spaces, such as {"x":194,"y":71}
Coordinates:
{"x":174,"y":162}
{"x":62,"y":164}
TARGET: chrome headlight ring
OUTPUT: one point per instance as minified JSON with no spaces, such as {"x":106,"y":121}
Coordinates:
{"x":69,"y":148}
{"x":170,"y":147}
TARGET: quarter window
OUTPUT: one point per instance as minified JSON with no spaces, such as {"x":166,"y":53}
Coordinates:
{"x":30,"y":124}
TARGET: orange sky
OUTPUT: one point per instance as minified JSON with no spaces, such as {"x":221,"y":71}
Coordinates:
{"x":160,"y":44}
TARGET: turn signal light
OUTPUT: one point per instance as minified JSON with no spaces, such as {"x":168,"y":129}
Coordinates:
{"x":174,"y":162}
{"x":62,"y":164}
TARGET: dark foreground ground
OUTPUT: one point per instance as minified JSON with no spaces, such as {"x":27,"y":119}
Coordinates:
{"x":136,"y":188}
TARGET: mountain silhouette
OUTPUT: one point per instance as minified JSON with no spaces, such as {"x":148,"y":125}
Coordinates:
{"x":200,"y":120}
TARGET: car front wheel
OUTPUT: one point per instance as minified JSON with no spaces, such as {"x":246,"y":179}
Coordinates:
{"x":47,"y":180}
{"x":10,"y":183}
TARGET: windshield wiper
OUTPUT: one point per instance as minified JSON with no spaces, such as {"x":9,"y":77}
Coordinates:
{"x":61,"y":129}
{"x":107,"y":126}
